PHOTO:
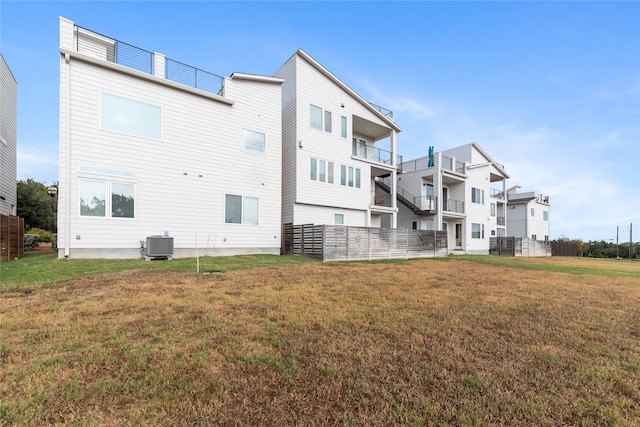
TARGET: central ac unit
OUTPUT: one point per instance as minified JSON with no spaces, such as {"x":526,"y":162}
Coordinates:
{"x":158,"y":247}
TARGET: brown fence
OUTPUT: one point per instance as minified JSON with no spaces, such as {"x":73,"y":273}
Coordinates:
{"x":518,"y":246}
{"x":564,"y":248}
{"x":11,"y":237}
{"x":346,"y":243}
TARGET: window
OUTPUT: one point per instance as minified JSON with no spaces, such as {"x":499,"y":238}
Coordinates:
{"x":545,"y":215}
{"x":131,"y":117}
{"x":316,"y":117}
{"x":327,"y":121}
{"x":339,"y":219}
{"x":241,"y":209}
{"x":93,"y":197}
{"x":493,"y":232}
{"x":493,"y":209}
{"x":477,"y":231}
{"x":533,"y":212}
{"x":313,"y":169}
{"x":343,"y":126}
{"x":254,"y":142}
{"x":414,"y":225}
{"x":429,"y":225}
{"x":546,"y":239}
{"x":350,"y":176}
{"x":94,"y":202}
{"x":477,"y":196}
{"x":320,"y":170}
{"x":534,"y":237}
{"x":359,"y":148}
{"x":429,"y":191}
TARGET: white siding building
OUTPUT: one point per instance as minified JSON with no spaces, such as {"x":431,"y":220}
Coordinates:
{"x":149,"y":145}
{"x":8,"y":139}
{"x":461,"y":191}
{"x":335,"y":144}
{"x":528,"y":214}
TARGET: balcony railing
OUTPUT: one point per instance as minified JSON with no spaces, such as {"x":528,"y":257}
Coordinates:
{"x":115,"y":51}
{"x":449,"y":164}
{"x":451,"y":205}
{"x":501,"y":220}
{"x":382,"y":110}
{"x":542,"y":198}
{"x":497,"y":194}
{"x":375,"y":154}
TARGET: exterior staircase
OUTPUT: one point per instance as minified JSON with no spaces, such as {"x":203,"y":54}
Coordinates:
{"x":403,"y":197}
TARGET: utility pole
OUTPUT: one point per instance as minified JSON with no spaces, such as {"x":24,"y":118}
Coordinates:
{"x":617,"y":241}
{"x":630,"y":238}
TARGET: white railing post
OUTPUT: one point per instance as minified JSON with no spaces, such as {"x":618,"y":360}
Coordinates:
{"x":159,"y":64}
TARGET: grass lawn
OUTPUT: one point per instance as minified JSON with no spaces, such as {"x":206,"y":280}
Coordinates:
{"x":281,"y":341}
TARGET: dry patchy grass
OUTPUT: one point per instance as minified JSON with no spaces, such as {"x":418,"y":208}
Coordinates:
{"x":423,"y":342}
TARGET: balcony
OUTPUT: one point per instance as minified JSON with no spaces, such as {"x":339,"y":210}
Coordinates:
{"x":107,"y":49}
{"x":452,"y":205}
{"x":382,"y":110}
{"x":500,"y":220}
{"x":374,"y":154}
{"x":497,"y":194}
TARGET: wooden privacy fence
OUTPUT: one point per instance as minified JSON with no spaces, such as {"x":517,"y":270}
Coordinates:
{"x":518,"y":246}
{"x":11,"y":237}
{"x":347,"y":243}
{"x":559,"y":248}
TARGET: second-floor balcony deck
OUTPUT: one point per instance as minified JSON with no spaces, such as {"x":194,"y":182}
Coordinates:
{"x":375,"y":155}
{"x":422,"y":163}
{"x":107,"y":49}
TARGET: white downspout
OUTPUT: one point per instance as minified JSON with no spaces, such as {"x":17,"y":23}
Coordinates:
{"x":67,"y":238}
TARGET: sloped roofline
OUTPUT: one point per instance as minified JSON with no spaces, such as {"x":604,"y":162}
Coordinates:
{"x":304,"y":55}
{"x":256,"y":78}
{"x":490,"y":160}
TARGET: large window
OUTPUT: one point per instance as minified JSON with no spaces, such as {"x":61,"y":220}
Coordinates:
{"x":94,"y":201}
{"x":254,"y":142}
{"x":131,"y":117}
{"x":320,"y":170}
{"x":477,"y":196}
{"x":477,"y":231}
{"x":241,"y":209}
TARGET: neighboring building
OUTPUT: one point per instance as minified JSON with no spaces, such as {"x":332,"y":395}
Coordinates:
{"x":451,"y":191}
{"x":149,"y":145}
{"x":8,"y":140}
{"x":335,"y":145}
{"x":528,"y":214}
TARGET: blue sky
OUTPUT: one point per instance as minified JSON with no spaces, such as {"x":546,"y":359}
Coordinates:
{"x":551,"y":90}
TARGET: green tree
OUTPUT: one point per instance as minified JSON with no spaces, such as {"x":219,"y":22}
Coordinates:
{"x":36,"y":206}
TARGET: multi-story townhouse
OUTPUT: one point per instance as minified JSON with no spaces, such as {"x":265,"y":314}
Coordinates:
{"x":8,"y":139}
{"x":335,"y":145}
{"x":150,"y":146}
{"x":452,"y":191}
{"x":528,"y":214}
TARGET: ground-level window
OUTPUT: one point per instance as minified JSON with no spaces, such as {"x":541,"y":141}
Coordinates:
{"x":429,"y":225}
{"x":95,"y":203}
{"x":477,"y":231}
{"x":414,"y":225}
{"x":339,"y":219}
{"x":241,"y":209}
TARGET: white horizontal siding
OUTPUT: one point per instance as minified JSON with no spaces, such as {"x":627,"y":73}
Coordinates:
{"x":182,"y":180}
{"x":8,"y":136}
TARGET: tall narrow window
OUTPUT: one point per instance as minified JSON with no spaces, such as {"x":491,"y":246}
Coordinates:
{"x":343,"y":126}
{"x":343,"y":175}
{"x":313,"y":169}
{"x":323,"y":171}
{"x":493,"y":209}
{"x":316,"y":117}
{"x":327,"y":121}
{"x":330,"y":172}
{"x":350,"y":176}
{"x":357,"y":177}
{"x":250,"y":210}
{"x":545,"y":215}
{"x":475,"y":231}
{"x":533,"y":212}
